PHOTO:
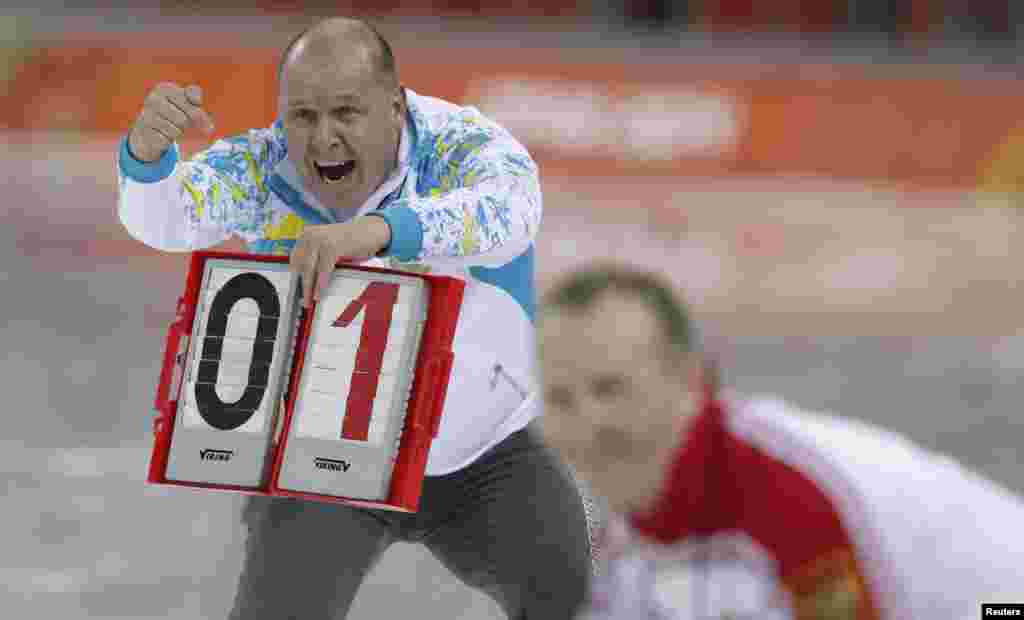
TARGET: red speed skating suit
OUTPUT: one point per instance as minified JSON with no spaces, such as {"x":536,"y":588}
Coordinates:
{"x":773,"y":512}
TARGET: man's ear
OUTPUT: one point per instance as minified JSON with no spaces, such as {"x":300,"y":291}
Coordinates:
{"x":693,"y":373}
{"x":703,"y":376}
{"x":399,"y":104}
{"x":712,"y":378}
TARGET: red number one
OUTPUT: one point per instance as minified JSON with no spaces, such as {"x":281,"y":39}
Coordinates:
{"x":378,"y":300}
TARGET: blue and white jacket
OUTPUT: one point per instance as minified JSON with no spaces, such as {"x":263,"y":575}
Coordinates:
{"x":464,"y":201}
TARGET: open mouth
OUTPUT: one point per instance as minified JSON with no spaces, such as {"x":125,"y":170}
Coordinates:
{"x":334,"y":171}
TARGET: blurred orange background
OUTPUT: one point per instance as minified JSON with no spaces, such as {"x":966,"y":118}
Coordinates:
{"x":807,"y":187}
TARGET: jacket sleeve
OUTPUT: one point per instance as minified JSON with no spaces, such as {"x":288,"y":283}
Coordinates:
{"x":175,"y":205}
{"x":485,"y":208}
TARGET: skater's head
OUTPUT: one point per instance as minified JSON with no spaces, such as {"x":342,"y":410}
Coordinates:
{"x":621,"y":378}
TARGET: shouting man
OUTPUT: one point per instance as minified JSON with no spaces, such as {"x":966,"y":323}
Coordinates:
{"x":358,"y":167}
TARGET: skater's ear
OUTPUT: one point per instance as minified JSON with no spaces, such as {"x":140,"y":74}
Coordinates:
{"x":702,"y":377}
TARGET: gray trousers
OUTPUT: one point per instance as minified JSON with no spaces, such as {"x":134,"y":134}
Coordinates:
{"x":513,"y":525}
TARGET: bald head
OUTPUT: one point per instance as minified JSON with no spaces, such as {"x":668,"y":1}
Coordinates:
{"x":342,"y":109}
{"x":341,"y":37}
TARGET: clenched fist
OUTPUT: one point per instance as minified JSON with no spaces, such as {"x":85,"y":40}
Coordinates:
{"x":168,"y":111}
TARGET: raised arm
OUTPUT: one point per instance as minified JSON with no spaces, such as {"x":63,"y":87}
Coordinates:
{"x":175,"y":205}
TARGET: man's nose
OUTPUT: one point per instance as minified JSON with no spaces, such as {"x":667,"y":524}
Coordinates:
{"x":326,"y":136}
{"x":612,"y":441}
{"x":609,"y":430}
{"x":599,"y":411}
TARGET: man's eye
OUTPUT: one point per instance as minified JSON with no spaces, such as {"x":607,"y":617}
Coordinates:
{"x":559,"y":397}
{"x":605,"y":388}
{"x":346,"y":112}
{"x":304,"y":116}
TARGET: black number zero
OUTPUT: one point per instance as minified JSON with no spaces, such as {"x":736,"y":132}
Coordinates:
{"x":217,"y":413}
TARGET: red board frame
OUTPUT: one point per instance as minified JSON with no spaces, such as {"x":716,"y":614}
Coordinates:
{"x":429,"y":388}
